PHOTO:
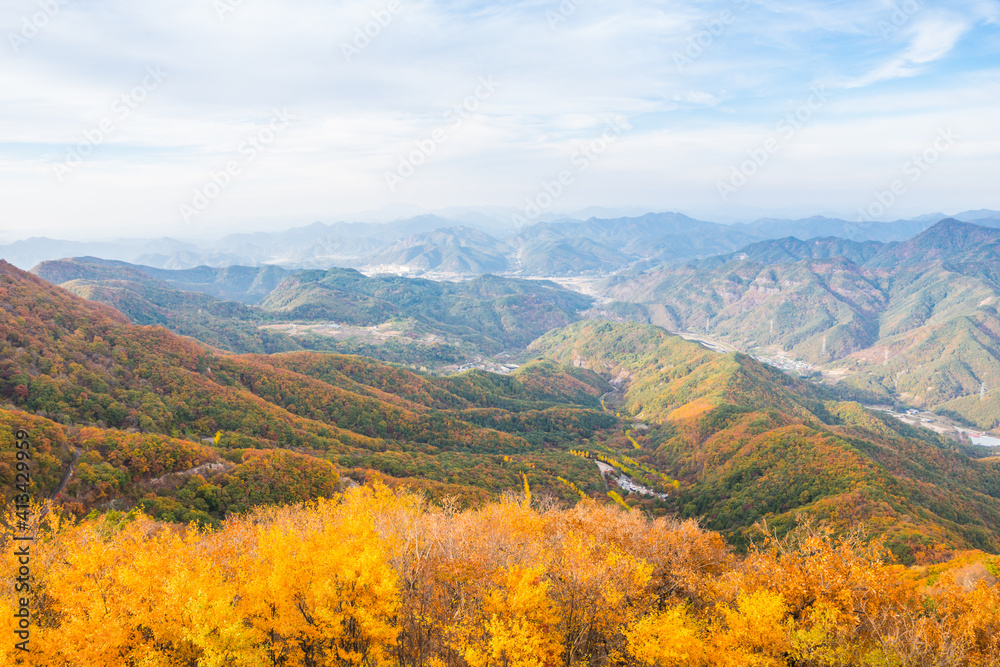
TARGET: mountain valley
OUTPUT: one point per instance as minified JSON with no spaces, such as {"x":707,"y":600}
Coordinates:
{"x":718,"y":436}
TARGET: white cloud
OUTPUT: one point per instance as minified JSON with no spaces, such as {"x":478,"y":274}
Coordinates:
{"x":929,"y":40}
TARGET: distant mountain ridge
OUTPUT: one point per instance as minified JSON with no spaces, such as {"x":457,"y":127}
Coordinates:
{"x":460,"y":250}
{"x":247,"y":285}
{"x":791,"y":249}
{"x":468,"y":242}
{"x":950,"y":241}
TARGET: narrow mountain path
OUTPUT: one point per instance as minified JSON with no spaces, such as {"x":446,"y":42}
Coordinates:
{"x":605,"y":406}
{"x":69,"y":473}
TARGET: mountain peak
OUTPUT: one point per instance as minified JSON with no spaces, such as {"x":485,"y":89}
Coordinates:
{"x":948,"y":240}
{"x":952,"y":233}
{"x":954,"y":223}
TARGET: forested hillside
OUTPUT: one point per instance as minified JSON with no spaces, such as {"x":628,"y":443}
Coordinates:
{"x":749,"y":442}
{"x":491,"y":311}
{"x":432,"y":322}
{"x":102,"y":386}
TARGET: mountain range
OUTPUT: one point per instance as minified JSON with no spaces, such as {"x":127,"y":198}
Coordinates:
{"x":911,"y":322}
{"x":914,"y":321}
{"x":471,"y":243}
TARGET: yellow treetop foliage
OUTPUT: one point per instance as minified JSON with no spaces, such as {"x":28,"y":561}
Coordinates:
{"x":381,"y":577}
{"x":576,"y":489}
{"x":617,"y":497}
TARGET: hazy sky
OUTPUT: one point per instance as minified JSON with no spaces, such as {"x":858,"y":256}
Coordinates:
{"x":179,"y":117}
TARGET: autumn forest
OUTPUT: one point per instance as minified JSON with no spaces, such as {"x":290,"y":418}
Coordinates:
{"x":193,"y":506}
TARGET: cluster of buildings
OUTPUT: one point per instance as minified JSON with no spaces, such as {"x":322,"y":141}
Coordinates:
{"x":627,"y":483}
{"x":491,"y":366}
{"x":788,"y":365}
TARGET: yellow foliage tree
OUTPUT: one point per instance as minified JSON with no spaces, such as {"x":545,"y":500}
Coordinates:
{"x":319,"y":587}
{"x":669,"y":638}
{"x":518,"y":624}
{"x":376,"y":577}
